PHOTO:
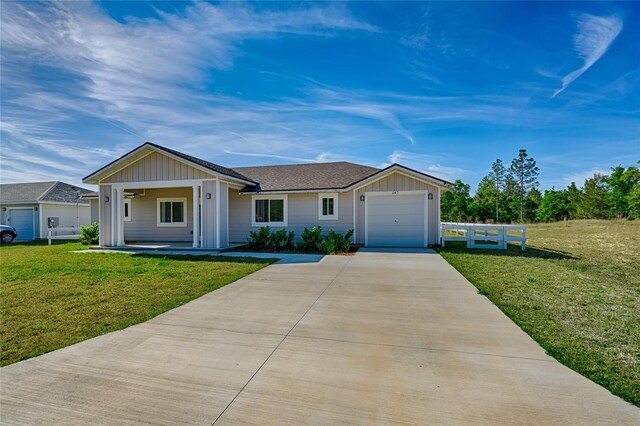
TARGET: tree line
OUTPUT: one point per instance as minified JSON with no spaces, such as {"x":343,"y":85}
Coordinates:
{"x":509,"y":193}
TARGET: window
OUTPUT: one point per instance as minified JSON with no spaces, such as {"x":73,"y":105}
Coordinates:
{"x":269,"y":210}
{"x":328,"y":206}
{"x":172,"y":212}
{"x":127,"y":210}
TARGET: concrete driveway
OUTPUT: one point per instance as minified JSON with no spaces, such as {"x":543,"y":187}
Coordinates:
{"x":376,"y":338}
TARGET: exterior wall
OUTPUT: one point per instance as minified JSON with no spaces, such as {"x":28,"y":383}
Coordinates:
{"x":66,"y":215}
{"x":105,"y":215}
{"x":5,"y":214}
{"x":95,"y":206}
{"x":144,"y":217}
{"x":156,"y":167}
{"x":399,"y":182}
{"x":302,"y":213}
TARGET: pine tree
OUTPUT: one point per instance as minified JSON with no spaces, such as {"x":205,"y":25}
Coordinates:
{"x":498,"y":176}
{"x":525,"y":172}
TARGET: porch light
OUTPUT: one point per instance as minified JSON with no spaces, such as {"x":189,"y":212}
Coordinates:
{"x":430,"y":196}
{"x":106,"y":198}
{"x":35,"y":209}
{"x":362,"y":198}
{"x":208,"y":195}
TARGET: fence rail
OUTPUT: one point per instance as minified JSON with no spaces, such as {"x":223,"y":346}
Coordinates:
{"x":53,"y":234}
{"x":478,"y":235}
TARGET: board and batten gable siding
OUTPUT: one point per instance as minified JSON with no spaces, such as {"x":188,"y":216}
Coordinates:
{"x":143,"y":226}
{"x":302,"y":213}
{"x":399,"y":182}
{"x":157,"y":167}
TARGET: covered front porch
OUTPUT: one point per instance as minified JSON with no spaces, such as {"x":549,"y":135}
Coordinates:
{"x":172,"y":214}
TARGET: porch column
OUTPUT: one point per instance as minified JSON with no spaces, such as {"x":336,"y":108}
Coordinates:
{"x":217,"y":213}
{"x":196,"y":216}
{"x":114,"y":217}
{"x":119,"y":217}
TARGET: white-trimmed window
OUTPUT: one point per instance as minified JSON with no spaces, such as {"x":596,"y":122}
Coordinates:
{"x":172,"y":212}
{"x":127,"y":210}
{"x":328,"y":206}
{"x":269,"y":210}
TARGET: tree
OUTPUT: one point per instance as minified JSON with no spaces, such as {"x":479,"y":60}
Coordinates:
{"x":483,"y":203}
{"x":634,"y":202}
{"x":525,"y":173}
{"x":554,"y":206}
{"x":456,"y":203}
{"x":498,"y":176}
{"x":620,"y":183}
{"x":574,"y":198}
{"x":593,"y":203}
{"x":531,"y":204}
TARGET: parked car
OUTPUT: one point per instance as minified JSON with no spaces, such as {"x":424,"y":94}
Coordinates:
{"x":7,"y":233}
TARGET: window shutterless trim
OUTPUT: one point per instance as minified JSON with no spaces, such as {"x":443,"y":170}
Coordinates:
{"x":185,"y":214}
{"x":332,"y":195}
{"x":285,"y":214}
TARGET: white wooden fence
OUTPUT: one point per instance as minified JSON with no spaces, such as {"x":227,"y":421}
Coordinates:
{"x":67,"y":234}
{"x":478,"y":235}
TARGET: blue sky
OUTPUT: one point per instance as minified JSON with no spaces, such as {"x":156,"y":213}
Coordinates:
{"x":442,"y":87}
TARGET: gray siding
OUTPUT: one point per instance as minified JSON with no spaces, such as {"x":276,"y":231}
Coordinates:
{"x":144,"y":217}
{"x":302,"y":213}
{"x":105,"y":215}
{"x":399,"y":182}
{"x":95,"y":206}
{"x":155,"y":167}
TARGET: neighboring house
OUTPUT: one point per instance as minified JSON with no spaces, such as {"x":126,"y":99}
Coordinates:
{"x":35,"y":207}
{"x":156,"y":194}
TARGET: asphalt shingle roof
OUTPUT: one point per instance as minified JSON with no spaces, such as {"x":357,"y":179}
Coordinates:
{"x":39,"y":191}
{"x":314,"y":176}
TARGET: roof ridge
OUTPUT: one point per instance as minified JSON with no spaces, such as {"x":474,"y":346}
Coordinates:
{"x":53,"y":185}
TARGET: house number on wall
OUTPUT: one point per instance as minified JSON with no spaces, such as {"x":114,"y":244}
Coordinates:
{"x":394,"y":192}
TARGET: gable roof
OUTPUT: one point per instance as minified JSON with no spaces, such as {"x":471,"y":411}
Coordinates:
{"x":34,"y":192}
{"x":298,"y":177}
{"x":203,"y":164}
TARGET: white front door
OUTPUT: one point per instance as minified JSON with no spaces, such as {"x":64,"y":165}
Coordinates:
{"x":396,"y":220}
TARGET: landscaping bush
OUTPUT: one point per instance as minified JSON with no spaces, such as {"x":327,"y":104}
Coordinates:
{"x":334,"y":242}
{"x":282,"y":240}
{"x":259,"y":239}
{"x":90,"y":235}
{"x":311,"y":240}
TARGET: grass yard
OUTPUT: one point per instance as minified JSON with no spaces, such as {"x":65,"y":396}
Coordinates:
{"x":52,"y":298}
{"x":576,"y":291}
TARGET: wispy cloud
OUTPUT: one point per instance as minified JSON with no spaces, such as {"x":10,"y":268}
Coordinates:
{"x":595,"y":35}
{"x":427,"y":163}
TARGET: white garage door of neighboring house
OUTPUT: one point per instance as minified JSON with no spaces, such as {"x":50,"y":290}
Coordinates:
{"x":22,"y":220}
{"x":396,"y":220}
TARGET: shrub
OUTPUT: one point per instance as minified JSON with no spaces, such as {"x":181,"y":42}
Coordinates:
{"x":90,"y":235}
{"x":334,"y":242}
{"x":311,"y":239}
{"x":282,"y":240}
{"x":259,"y":239}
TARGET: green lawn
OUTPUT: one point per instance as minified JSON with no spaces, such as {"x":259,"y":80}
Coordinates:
{"x":576,"y":291}
{"x":51,"y":297}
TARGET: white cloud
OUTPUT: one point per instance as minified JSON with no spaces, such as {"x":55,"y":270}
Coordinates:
{"x":430,"y":164}
{"x":595,"y":35}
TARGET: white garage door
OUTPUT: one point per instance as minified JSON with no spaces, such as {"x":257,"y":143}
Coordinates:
{"x":22,"y":220}
{"x":396,"y":220}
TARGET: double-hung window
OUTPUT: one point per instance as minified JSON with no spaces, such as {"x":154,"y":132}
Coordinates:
{"x":328,"y":206}
{"x":269,"y":210}
{"x":172,"y":212}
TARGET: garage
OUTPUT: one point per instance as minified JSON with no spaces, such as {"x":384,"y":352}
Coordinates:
{"x":23,"y":221}
{"x":396,"y":219}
